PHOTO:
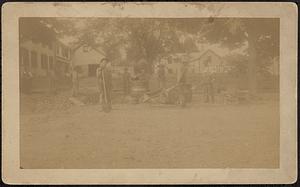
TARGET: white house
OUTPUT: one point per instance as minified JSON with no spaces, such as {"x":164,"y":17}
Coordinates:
{"x":36,"y":57}
{"x":199,"y":62}
{"x":40,"y":58}
{"x":87,"y":58}
{"x":170,"y":63}
{"x":207,"y":62}
{"x":62,"y":57}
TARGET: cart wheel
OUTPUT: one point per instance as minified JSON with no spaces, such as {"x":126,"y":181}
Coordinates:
{"x":163,"y":98}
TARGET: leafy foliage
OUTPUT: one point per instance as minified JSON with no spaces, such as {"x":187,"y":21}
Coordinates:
{"x":152,"y":38}
{"x":33,"y":29}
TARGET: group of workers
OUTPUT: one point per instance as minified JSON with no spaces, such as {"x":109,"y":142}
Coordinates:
{"x":208,"y":80}
{"x":104,"y":81}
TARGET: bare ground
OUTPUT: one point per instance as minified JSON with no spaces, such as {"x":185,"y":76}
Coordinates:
{"x":59,"y":135}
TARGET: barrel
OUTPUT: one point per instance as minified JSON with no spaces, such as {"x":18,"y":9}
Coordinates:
{"x":138,"y":88}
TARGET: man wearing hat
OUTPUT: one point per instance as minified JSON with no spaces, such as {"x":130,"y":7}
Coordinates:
{"x":75,"y":81}
{"x":161,"y":76}
{"x":181,"y":80}
{"x":181,"y":72}
{"x":126,"y":81}
{"x":104,"y":80}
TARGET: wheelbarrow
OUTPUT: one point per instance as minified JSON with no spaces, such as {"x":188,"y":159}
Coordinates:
{"x":177,"y":94}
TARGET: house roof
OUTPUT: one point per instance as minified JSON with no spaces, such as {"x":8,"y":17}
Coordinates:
{"x":204,"y":53}
{"x":195,"y":55}
{"x":80,"y":44}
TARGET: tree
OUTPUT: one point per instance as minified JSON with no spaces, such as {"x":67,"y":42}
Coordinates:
{"x":261,"y":35}
{"x":152,"y":39}
{"x":146,"y":38}
{"x":239,"y":63}
{"x":101,"y":34}
{"x":33,"y":29}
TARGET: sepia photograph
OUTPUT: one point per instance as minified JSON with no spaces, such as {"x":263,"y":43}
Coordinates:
{"x":149,"y":92}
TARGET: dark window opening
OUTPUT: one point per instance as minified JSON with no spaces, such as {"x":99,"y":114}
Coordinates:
{"x":51,"y":64}
{"x":44,"y":61}
{"x":170,"y":71}
{"x":33,"y":59}
{"x":92,"y":70}
{"x":207,"y":61}
{"x":25,"y":58}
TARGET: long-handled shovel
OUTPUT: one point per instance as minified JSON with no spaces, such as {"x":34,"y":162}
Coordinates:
{"x":106,"y":107}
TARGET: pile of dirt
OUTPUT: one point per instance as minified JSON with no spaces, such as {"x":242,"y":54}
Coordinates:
{"x":38,"y":103}
{"x":92,"y":97}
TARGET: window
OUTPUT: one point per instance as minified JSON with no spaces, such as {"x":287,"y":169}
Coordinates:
{"x":169,"y":59}
{"x":85,"y":48}
{"x":33,"y":59}
{"x":65,"y":52}
{"x":170,"y":71}
{"x":44,"y":61}
{"x":51,"y":64}
{"x":67,"y":69}
{"x":220,"y":68}
{"x":24,"y":58}
{"x":44,"y":45}
{"x":214,"y":68}
{"x":207,"y":61}
{"x":50,"y":46}
{"x":57,"y":64}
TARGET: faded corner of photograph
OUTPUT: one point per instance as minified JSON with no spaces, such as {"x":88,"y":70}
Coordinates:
{"x":127,"y":93}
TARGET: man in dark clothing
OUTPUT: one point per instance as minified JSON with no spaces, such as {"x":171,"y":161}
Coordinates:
{"x":75,"y":81}
{"x":126,"y":81}
{"x":209,"y":89}
{"x":181,"y":72}
{"x":161,"y":76}
{"x":104,"y":80}
{"x":181,"y":81}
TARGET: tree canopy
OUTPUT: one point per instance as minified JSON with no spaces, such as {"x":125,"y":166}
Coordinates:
{"x":153,"y":38}
{"x":34,"y":29}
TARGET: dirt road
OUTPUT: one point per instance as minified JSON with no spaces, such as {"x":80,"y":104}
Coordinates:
{"x":147,"y":136}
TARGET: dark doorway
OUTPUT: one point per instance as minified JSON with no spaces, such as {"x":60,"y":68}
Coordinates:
{"x":92,"y":69}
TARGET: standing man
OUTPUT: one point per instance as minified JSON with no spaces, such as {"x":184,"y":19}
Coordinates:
{"x":161,"y":76}
{"x":209,"y":89}
{"x":75,"y":81}
{"x":126,"y":81}
{"x":181,"y":81}
{"x":104,"y":80}
{"x":181,"y":73}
